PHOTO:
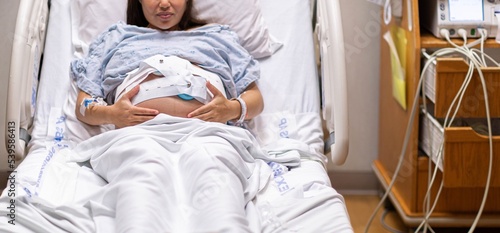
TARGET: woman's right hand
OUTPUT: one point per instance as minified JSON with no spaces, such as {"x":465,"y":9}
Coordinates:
{"x":124,"y":114}
{"x":120,"y":114}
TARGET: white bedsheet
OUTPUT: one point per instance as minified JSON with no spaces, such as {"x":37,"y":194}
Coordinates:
{"x":289,"y":79}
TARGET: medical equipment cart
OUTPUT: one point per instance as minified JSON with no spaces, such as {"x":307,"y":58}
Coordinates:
{"x":465,"y":166}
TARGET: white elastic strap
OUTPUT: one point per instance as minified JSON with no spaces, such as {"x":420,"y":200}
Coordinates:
{"x":178,"y":72}
{"x":243,"y":110}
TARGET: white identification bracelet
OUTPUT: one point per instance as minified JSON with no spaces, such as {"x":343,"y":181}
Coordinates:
{"x":87,"y":102}
{"x":243,"y":111}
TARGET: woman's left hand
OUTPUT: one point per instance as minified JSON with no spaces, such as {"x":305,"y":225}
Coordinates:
{"x":219,"y":109}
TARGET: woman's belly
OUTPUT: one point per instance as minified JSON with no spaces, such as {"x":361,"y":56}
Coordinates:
{"x":171,"y":105}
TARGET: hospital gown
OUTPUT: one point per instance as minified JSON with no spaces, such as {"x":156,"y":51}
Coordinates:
{"x":121,"y":48}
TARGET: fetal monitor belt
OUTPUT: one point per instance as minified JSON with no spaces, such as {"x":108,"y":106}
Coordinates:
{"x":162,"y":87}
{"x":179,"y":77}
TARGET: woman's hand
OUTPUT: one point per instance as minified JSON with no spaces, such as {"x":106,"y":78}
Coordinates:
{"x":123,"y":113}
{"x":219,"y":109}
{"x":120,"y":114}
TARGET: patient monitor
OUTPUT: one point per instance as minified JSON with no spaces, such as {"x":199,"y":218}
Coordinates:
{"x":454,"y":15}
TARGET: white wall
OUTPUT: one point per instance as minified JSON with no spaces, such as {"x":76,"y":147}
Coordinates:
{"x":361,"y":25}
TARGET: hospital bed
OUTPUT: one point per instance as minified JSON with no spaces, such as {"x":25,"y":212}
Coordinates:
{"x":301,"y":104}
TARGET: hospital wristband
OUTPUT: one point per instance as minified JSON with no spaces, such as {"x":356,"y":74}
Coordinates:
{"x":243,"y":110}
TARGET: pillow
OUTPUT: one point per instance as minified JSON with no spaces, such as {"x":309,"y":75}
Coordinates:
{"x":245,"y":18}
{"x":91,"y":17}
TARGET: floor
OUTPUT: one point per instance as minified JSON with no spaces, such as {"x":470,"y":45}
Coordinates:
{"x":361,"y":207}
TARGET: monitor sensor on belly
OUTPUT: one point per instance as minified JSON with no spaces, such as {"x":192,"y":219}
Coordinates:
{"x":182,"y":95}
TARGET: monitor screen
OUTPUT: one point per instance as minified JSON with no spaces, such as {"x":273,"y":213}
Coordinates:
{"x":466,"y":10}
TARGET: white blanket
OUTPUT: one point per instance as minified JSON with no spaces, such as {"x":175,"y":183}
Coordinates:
{"x":178,"y":175}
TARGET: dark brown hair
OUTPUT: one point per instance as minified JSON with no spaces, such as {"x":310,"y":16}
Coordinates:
{"x":135,"y":16}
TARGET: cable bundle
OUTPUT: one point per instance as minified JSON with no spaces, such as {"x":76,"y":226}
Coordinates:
{"x":476,"y":60}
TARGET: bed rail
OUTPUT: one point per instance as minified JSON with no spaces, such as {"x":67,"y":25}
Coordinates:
{"x":27,"y":43}
{"x":330,"y":37}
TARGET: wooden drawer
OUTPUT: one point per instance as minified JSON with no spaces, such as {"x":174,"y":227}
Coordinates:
{"x":467,"y":158}
{"x":445,"y":78}
{"x":453,"y":200}
{"x":466,"y":155}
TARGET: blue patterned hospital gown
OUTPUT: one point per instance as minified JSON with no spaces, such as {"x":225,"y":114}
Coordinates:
{"x":122,"y":47}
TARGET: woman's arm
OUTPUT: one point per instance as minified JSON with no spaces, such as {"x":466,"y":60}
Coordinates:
{"x":253,"y":100}
{"x":120,"y":114}
{"x":222,"y":110}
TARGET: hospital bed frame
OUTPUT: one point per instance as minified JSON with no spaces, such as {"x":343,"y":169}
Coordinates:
{"x":19,"y":78}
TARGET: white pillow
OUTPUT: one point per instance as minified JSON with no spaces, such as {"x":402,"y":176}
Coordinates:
{"x":91,"y":17}
{"x":245,"y":18}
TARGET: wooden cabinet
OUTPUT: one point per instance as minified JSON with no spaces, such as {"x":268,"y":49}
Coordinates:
{"x":466,"y":152}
